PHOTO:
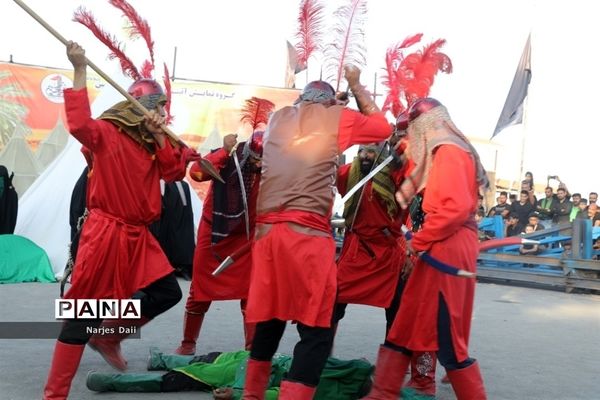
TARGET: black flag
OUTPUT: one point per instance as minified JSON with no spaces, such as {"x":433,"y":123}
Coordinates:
{"x":512,"y":113}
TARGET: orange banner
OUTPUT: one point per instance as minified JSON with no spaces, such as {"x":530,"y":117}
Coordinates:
{"x":199,"y":108}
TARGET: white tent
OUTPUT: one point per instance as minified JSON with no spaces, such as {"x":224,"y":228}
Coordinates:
{"x":44,"y":210}
{"x":18,"y":158}
{"x":53,"y":144}
{"x":212,"y":141}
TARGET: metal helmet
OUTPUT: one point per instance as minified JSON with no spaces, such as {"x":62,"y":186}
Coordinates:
{"x":317,"y":91}
{"x":402,"y":121}
{"x":422,"y":106}
{"x":148,"y":92}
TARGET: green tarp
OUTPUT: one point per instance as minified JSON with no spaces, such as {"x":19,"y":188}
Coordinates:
{"x":21,"y":260}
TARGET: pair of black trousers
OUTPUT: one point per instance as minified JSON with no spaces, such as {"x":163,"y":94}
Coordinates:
{"x":155,"y":299}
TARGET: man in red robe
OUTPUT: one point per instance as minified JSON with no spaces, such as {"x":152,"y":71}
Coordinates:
{"x":294,"y":272}
{"x":435,"y":313}
{"x":117,"y":255}
{"x":374,"y":249}
{"x":371,"y":262}
{"x":222,"y":231}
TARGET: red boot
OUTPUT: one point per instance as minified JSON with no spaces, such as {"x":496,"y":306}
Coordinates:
{"x":296,"y":391}
{"x":192,"y":323}
{"x":422,"y":373}
{"x":467,"y":383}
{"x":109,"y":346}
{"x":64,"y":366}
{"x":389,"y":374}
{"x":258,"y":374}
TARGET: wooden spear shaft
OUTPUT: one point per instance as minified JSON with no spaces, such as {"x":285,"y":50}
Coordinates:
{"x":104,"y":76}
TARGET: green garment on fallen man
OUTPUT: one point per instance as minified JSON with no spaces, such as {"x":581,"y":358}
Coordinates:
{"x":340,"y":379}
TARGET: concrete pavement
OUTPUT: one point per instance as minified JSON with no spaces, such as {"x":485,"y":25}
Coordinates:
{"x":532,"y":344}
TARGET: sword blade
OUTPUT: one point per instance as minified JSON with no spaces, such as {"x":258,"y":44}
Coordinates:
{"x":367,"y":178}
{"x":243,"y":190}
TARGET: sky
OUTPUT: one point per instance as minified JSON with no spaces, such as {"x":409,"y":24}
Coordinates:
{"x":241,"y":41}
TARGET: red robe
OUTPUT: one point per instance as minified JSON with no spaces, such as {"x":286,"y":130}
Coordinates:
{"x":370,"y":263}
{"x":117,"y":254}
{"x":449,"y":234}
{"x":294,"y":273}
{"x":234,"y":281}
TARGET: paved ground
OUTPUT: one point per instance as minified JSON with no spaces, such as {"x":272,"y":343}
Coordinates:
{"x":532,"y":344}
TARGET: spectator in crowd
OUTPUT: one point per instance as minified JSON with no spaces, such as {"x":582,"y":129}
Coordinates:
{"x":534,"y":220}
{"x":502,"y":208}
{"x":583,"y":206}
{"x":544,"y":206}
{"x":512,"y":198}
{"x":482,"y":235}
{"x":512,"y":225}
{"x":529,"y":249}
{"x":480,"y":206}
{"x":575,"y":200}
{"x":592,"y":210}
{"x":9,"y":202}
{"x":593,"y":198}
{"x":561,"y":209}
{"x":523,"y":208}
{"x":593,"y":214}
{"x":528,"y":185}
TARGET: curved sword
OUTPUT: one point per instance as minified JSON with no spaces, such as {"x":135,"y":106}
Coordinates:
{"x":367,"y":178}
{"x":243,"y":190}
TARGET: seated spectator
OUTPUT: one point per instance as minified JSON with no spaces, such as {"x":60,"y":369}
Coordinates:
{"x":534,"y":220}
{"x":544,"y":206}
{"x":502,"y":208}
{"x":529,"y":249}
{"x":512,"y":225}
{"x":483,"y":235}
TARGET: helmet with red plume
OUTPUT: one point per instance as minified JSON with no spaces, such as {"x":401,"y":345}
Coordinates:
{"x":148,"y":92}
{"x":422,"y":106}
{"x":318,"y":92}
{"x":256,"y":144}
{"x":145,"y":87}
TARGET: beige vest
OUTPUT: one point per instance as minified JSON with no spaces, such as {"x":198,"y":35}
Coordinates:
{"x":300,"y":159}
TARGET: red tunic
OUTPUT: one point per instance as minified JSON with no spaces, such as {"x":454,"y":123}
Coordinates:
{"x":294,"y":273}
{"x":234,"y":281}
{"x":370,"y":262}
{"x":449,"y":234}
{"x":117,"y":254}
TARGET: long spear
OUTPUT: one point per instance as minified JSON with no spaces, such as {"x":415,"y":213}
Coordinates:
{"x":206,"y":165}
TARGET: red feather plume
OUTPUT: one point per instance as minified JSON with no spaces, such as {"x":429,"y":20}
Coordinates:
{"x":86,"y":18}
{"x":309,"y":33}
{"x":167,"y":82}
{"x":139,"y":26}
{"x":421,"y":67}
{"x":256,"y":111}
{"x":391,"y":80}
{"x":348,"y":45}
